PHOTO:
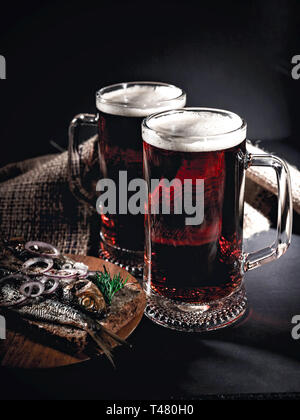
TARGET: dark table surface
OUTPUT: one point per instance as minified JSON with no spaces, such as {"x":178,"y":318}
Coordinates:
{"x":257,"y":356}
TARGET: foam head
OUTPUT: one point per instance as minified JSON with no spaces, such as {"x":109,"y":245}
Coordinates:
{"x":139,"y":99}
{"x":195,"y":130}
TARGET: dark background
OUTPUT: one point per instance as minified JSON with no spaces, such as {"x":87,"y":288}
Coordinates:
{"x":235,"y":55}
{"x":230,"y":54}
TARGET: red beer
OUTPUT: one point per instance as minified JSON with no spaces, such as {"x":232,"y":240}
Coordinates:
{"x":121,"y":109}
{"x":203,"y":263}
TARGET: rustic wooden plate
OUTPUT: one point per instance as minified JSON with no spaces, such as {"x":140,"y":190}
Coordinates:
{"x":31,"y":346}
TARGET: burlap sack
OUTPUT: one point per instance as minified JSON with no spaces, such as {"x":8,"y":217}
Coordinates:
{"x":262,"y":187}
{"x":36,"y":204}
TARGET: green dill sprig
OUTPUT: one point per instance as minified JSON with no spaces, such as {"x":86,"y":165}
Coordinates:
{"x":109,"y":286}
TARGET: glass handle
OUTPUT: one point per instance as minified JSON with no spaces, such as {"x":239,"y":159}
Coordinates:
{"x":285,"y":213}
{"x":75,"y":160}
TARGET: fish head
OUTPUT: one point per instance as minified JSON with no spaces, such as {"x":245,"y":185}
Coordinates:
{"x":86,"y":295}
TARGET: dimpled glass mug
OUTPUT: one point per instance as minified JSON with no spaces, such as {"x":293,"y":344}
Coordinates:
{"x":194,"y":273}
{"x":120,"y":112}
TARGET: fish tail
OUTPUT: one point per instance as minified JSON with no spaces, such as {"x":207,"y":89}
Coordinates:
{"x":115,"y":337}
{"x":102,"y":346}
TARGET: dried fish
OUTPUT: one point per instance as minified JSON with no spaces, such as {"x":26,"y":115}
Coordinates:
{"x":85,"y":294}
{"x":59,"y":293}
{"x":10,"y":293}
{"x":54,"y":311}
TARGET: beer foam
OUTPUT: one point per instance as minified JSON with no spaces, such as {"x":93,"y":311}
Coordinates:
{"x":140,"y":100}
{"x":195,"y":130}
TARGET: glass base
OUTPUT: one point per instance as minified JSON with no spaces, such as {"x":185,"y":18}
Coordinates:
{"x":197,"y":318}
{"x":132,"y":261}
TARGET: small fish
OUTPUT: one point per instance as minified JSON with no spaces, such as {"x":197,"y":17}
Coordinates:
{"x":75,"y":302}
{"x":87,"y":296}
{"x":53,"y":311}
{"x":59,"y":313}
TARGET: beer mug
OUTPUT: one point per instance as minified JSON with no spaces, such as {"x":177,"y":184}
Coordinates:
{"x":195,"y":163}
{"x":120,"y":111}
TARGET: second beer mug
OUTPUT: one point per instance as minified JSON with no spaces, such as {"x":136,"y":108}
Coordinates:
{"x":195,"y":266}
{"x":120,"y":111}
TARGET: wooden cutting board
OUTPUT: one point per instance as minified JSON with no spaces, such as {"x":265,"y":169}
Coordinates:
{"x":27,"y":347}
